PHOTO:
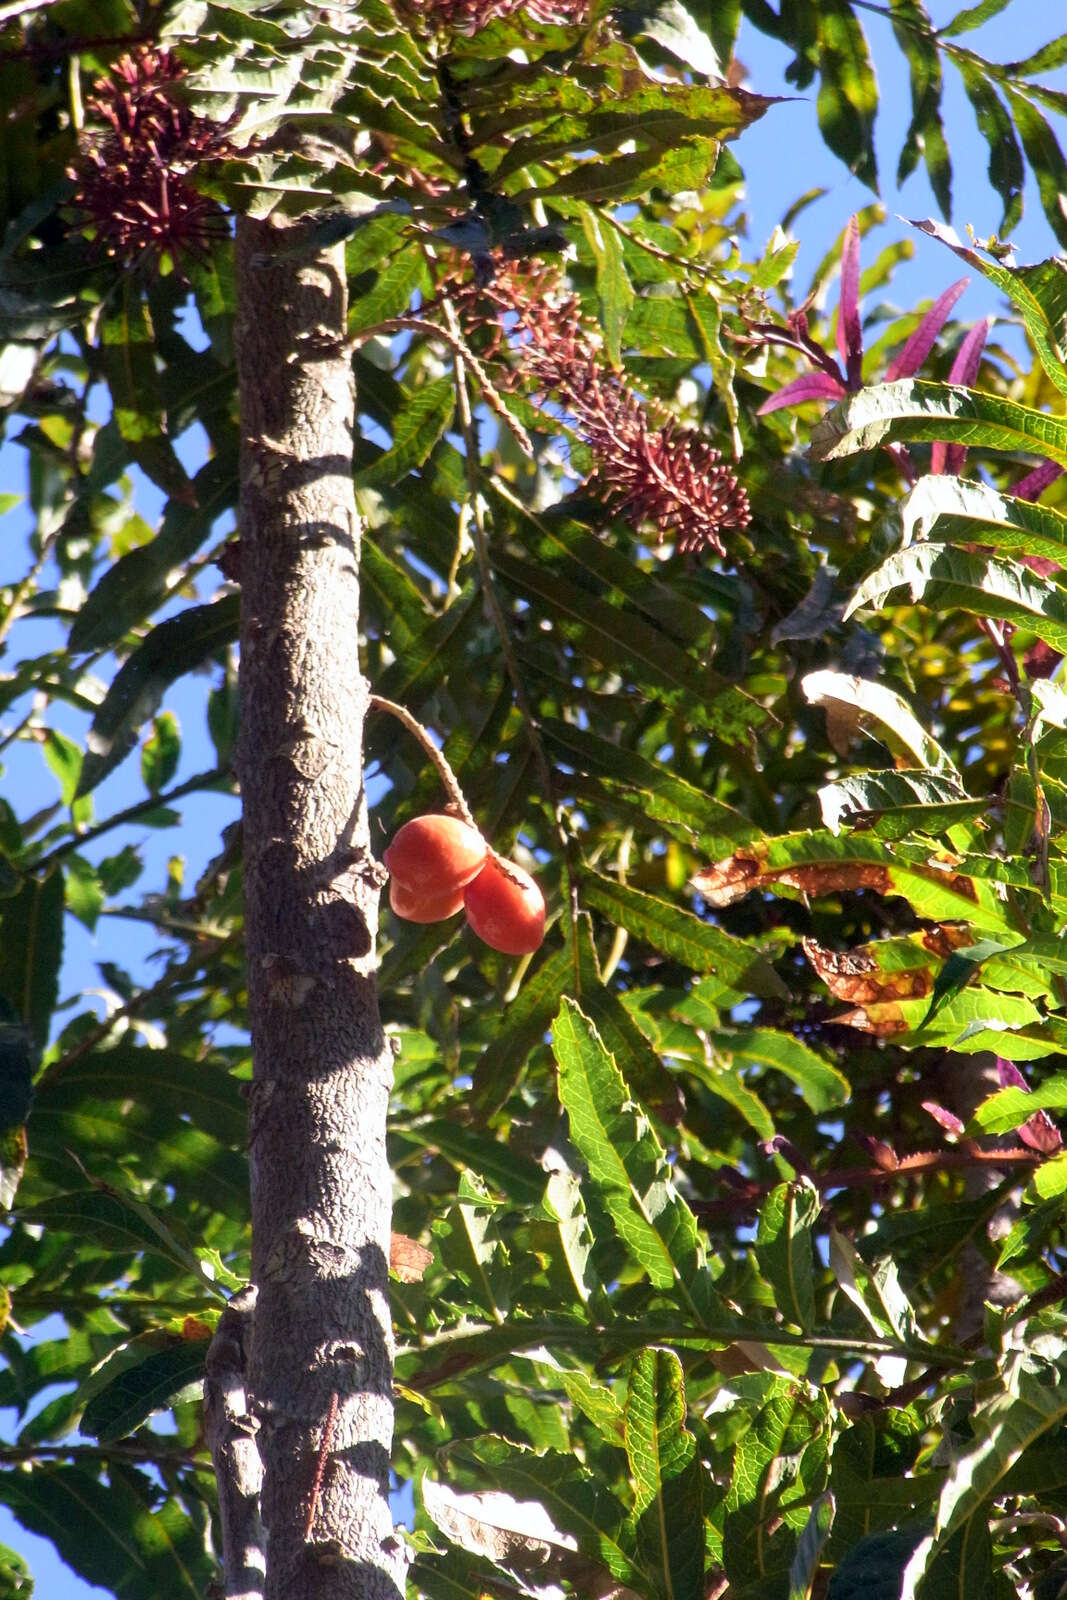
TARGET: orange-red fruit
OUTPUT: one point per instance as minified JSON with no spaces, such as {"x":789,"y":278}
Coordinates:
{"x":434,"y":856}
{"x":506,"y":908}
{"x":414,"y":907}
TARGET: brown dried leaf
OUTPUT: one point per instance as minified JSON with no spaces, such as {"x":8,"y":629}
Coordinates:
{"x":879,"y":1019}
{"x":855,"y":976}
{"x":730,"y":880}
{"x":407,"y":1258}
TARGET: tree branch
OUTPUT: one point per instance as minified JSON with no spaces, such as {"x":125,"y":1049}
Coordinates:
{"x":230,"y":1432}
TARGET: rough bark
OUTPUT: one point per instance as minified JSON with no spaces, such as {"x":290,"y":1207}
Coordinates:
{"x":321,"y":1070}
{"x":229,"y":1429}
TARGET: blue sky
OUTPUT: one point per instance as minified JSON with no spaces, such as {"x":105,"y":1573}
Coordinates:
{"x":783,"y":156}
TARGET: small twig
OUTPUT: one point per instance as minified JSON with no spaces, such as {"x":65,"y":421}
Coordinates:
{"x":320,"y":1465}
{"x":463,"y":353}
{"x":14,"y":1454}
{"x":200,"y":780}
{"x":448,"y":778}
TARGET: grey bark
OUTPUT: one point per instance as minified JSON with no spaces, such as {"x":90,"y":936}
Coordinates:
{"x":230,"y":1431}
{"x":321,"y":1069}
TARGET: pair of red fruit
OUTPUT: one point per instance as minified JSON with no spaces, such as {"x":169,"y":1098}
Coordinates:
{"x":439,"y":865}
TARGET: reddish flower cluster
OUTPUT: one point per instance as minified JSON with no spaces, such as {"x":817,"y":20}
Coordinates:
{"x":132,"y":178}
{"x":655,"y":474}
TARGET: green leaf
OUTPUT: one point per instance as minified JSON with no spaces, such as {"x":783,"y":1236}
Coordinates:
{"x":136,"y":585}
{"x":128,"y":356}
{"x":114,"y":1221}
{"x":515,"y":1175}
{"x":614,"y":290}
{"x":422,"y":420}
{"x":619,"y":639}
{"x":1005,"y":170}
{"x":770,"y":1489}
{"x":848,"y":91}
{"x":684,"y":937}
{"x":522,"y":1026}
{"x":1028,"y":1403}
{"x":963,"y":511}
{"x":161,"y":752}
{"x":810,"y":1545}
{"x":31,"y":952}
{"x":627,"y":1165}
{"x":865,"y":699}
{"x":892,"y":805}
{"x":154,"y":1383}
{"x":951,"y":579}
{"x":675,"y":30}
{"x":578,"y":1503}
{"x":64,"y":758}
{"x":874,"y":1568}
{"x":665,"y":797}
{"x":113,"y":1534}
{"x":1038,"y":292}
{"x":169,"y":651}
{"x":973,"y":17}
{"x":393,"y":288}
{"x":1009,"y":1108}
{"x":874,"y":1291}
{"x":909,"y":410}
{"x":1045,"y":157}
{"x":667,"y":1474}
{"x":785,"y":1252}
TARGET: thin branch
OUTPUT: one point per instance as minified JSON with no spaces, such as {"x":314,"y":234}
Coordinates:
{"x":17,"y":1454}
{"x":448,"y":778}
{"x":200,"y":780}
{"x":452,"y":337}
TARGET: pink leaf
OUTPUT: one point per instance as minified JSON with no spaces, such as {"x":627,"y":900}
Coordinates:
{"x":947,"y":1119}
{"x":969,"y":355}
{"x":1039,"y":1132}
{"x":849,"y":331}
{"x":813,"y":386}
{"x":1033,"y":486}
{"x":908,"y":361}
{"x":949,"y":458}
{"x":1009,"y":1076}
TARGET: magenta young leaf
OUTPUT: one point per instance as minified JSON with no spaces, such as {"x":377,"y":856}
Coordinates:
{"x":908,"y":361}
{"x":813,"y":386}
{"x":950,"y":457}
{"x":849,"y":328}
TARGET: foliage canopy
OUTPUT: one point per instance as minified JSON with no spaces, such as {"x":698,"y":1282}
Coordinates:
{"x":744,"y":1200}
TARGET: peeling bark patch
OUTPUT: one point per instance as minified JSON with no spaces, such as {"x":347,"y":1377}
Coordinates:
{"x":287,"y":984}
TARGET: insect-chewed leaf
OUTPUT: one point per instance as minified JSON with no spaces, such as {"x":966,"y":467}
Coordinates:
{"x":822,"y":863}
{"x":892,"y":805}
{"x":945,"y":578}
{"x":910,"y":411}
{"x":953,"y":510}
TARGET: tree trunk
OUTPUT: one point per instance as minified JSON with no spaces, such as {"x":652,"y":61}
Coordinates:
{"x":320,"y":1371}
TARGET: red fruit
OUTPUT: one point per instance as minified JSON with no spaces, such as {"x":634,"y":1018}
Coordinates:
{"x":506,"y":908}
{"x":434,"y":856}
{"x":415,"y":907}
